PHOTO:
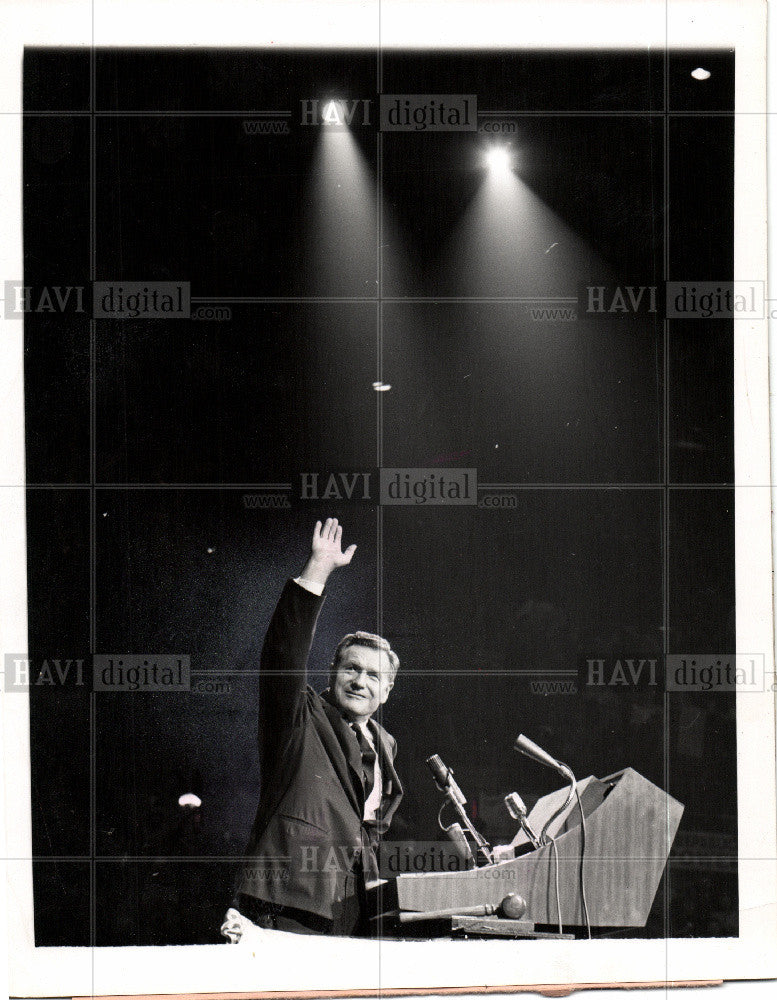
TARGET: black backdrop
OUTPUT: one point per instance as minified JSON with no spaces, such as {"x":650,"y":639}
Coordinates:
{"x":621,"y":542}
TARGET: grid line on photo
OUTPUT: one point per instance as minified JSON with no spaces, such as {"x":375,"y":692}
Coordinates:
{"x":92,"y":499}
{"x":665,"y":470}
{"x":238,"y":859}
{"x":604,"y":113}
{"x":508,"y":487}
{"x":379,"y":401}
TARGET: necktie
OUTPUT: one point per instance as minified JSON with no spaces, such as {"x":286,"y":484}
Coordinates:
{"x":368,"y":760}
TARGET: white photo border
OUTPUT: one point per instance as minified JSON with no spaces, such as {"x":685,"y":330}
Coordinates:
{"x":290,"y":963}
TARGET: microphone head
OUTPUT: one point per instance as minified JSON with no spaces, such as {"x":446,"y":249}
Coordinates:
{"x":515,"y":805}
{"x":438,"y":769}
{"x":443,"y":777}
{"x":460,"y":844}
{"x":525,"y":746}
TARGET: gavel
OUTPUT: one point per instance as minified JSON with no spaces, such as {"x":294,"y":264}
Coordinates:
{"x":512,"y":907}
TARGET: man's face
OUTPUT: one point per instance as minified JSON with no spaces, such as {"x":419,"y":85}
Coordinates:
{"x":361,"y":682}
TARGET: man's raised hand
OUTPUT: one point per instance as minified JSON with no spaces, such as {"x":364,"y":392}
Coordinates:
{"x":326,"y":552}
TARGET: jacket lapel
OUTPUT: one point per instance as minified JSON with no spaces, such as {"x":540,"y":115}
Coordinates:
{"x":349,"y":766}
{"x":392,"y":786}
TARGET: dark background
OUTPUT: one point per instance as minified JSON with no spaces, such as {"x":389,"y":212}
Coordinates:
{"x":621,"y":543}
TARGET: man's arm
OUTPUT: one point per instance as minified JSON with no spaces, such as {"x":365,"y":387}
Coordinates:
{"x":283,"y":668}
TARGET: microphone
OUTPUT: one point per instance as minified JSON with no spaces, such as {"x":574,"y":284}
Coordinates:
{"x":515,"y":806}
{"x":443,"y":777}
{"x":525,"y":746}
{"x":517,"y":809}
{"x":460,"y":844}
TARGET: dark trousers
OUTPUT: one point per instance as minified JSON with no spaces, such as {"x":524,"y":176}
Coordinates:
{"x":349,"y":921}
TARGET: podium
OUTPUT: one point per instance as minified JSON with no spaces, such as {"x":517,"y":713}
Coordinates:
{"x":630,"y":825}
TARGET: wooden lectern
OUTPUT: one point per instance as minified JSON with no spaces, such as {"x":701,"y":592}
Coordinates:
{"x":630,"y":825}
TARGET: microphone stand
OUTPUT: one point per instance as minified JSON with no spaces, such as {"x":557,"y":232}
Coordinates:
{"x":567,"y":773}
{"x":443,"y":777}
{"x":484,"y":855}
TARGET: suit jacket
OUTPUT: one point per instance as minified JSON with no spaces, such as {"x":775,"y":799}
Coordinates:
{"x":309,"y":845}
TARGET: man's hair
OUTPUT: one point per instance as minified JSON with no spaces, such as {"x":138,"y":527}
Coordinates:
{"x":372,"y":642}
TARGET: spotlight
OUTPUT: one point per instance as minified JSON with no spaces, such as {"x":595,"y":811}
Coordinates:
{"x":498,"y":160}
{"x":190,"y":799}
{"x":701,"y":74}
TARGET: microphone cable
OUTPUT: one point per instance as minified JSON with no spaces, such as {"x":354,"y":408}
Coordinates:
{"x":525,"y":746}
{"x":554,"y":851}
{"x":582,"y":866}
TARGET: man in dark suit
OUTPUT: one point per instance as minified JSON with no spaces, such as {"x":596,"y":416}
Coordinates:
{"x":329,"y":788}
